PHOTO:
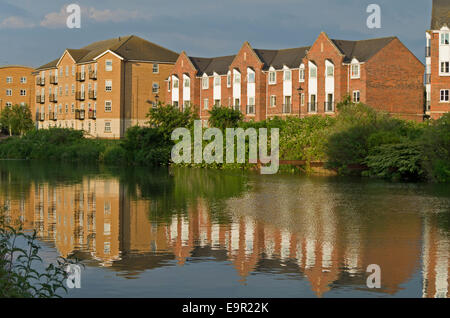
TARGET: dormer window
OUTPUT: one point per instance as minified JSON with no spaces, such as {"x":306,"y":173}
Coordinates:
{"x":229,"y":79}
{"x":251,"y":76}
{"x":187,"y":82}
{"x":217,"y":80}
{"x":445,"y":38}
{"x":355,"y":71}
{"x":272,"y":77}
{"x":330,"y":71}
{"x":301,"y":75}
{"x":313,"y":71}
{"x":237,"y":77}
{"x":205,"y":82}
{"x":175,"y":83}
{"x":287,"y":75}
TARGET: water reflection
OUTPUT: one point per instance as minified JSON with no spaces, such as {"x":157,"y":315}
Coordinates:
{"x":325,"y":230}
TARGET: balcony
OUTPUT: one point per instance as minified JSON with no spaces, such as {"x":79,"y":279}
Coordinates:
{"x":427,"y":78}
{"x":80,"y":96}
{"x":92,"y":94}
{"x":287,"y":108}
{"x":40,"y":116}
{"x":81,"y":77}
{"x":53,"y":98}
{"x":328,"y":107}
{"x":312,"y":107}
{"x":93,"y":75}
{"x":237,"y":107}
{"x":427,"y":51}
{"x":40,"y":99}
{"x":92,"y":114}
{"x":250,"y":109}
{"x":79,"y":114}
{"x":53,"y":80}
{"x":40,"y":81}
{"x":52,"y":116}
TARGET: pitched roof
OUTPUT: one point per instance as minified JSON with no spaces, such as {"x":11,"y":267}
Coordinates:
{"x":440,"y":14}
{"x":129,"y":47}
{"x":292,"y":58}
{"x":361,"y":50}
{"x":209,"y":66}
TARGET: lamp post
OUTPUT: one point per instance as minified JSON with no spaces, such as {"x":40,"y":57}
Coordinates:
{"x":300,"y":91}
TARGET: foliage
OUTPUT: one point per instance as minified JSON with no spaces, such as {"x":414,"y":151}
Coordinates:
{"x":224,"y":117}
{"x":18,"y":274}
{"x":16,"y":120}
{"x":166,"y":118}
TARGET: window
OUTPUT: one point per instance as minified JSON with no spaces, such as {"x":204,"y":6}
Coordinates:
{"x":108,"y":106}
{"x":73,"y":70}
{"x":355,"y":71}
{"x":287,"y":75}
{"x":23,"y":80}
{"x":187,"y":82}
{"x":445,"y":38}
{"x":9,"y":92}
{"x":217,"y":102}
{"x":445,"y":67}
{"x":60,"y":91}
{"x":169,"y":83}
{"x":273,"y":101}
{"x":444,"y":95}
{"x":251,"y":77}
{"x":23,"y":92}
{"x":108,"y":86}
{"x":108,"y":65}
{"x":8,"y":104}
{"x":73,"y":108}
{"x":272,"y":77}
{"x":155,"y":88}
{"x":67,"y":108}
{"x":61,"y":72}
{"x":217,"y":81}
{"x":205,"y":83}
{"x":107,"y":127}
{"x":155,"y":68}
{"x":205,"y":103}
{"x":228,"y":79}
{"x":356,"y":96}
{"x":175,"y":83}
{"x":237,"y":78}
{"x":313,"y":72}
{"x":302,"y":73}
{"x":67,"y":70}
{"x":9,"y":80}
{"x":330,"y":71}
{"x":73,"y":89}
{"x":186,"y":104}
{"x":67,"y":90}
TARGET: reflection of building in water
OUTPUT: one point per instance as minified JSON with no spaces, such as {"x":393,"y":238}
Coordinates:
{"x":435,"y":260}
{"x":312,"y":238}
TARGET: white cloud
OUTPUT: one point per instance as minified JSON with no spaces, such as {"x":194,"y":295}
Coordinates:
{"x":55,"y":19}
{"x":16,"y":22}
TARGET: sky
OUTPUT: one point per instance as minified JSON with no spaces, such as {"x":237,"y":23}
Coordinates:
{"x":35,"y":32}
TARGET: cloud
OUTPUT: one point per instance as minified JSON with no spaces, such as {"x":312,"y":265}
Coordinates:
{"x":16,"y":22}
{"x":58,"y":19}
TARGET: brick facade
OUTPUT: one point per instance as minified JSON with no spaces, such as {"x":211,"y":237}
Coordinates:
{"x":16,"y":86}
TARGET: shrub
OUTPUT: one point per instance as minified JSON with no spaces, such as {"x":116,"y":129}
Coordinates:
{"x":224,"y":117}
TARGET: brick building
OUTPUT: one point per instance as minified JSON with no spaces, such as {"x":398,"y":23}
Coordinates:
{"x":16,"y":86}
{"x":437,"y":54}
{"x":103,"y":88}
{"x":303,"y":81}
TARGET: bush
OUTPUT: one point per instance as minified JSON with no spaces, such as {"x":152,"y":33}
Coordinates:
{"x":224,"y":117}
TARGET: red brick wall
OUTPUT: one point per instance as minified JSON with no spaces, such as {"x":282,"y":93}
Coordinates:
{"x":437,"y":108}
{"x":395,"y":82}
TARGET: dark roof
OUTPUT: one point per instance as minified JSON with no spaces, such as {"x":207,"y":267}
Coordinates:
{"x":361,"y":50}
{"x":209,"y":66}
{"x":129,"y":47}
{"x":440,"y":14}
{"x":292,"y":58}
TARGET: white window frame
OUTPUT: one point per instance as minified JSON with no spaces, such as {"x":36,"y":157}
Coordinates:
{"x":23,"y":80}
{"x":313,"y":71}
{"x":205,"y":103}
{"x":273,"y":100}
{"x":251,"y":74}
{"x":155,"y":68}
{"x":108,"y":124}
{"x":217,"y":81}
{"x":445,"y":95}
{"x":9,"y":92}
{"x":443,"y":71}
{"x":205,"y":82}
{"x":106,"y":86}
{"x":444,"y":38}
{"x":358,"y":68}
{"x":155,"y":85}
{"x":108,"y":68}
{"x":287,"y":75}
{"x":229,"y":79}
{"x":301,"y":73}
{"x":9,"y":79}
{"x":23,"y":92}
{"x":356,"y":93}
{"x":272,"y":77}
{"x":108,"y":109}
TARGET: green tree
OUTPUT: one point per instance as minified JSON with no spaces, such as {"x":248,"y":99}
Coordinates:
{"x":225,"y":117}
{"x":6,"y":120}
{"x":21,"y":120}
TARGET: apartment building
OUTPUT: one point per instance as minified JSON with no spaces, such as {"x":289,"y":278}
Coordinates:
{"x":103,"y":88}
{"x":16,"y":86}
{"x":303,"y":81}
{"x":437,"y":55}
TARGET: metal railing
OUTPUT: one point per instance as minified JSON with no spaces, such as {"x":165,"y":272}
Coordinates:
{"x":237,"y":107}
{"x":80,"y":96}
{"x":287,"y":108}
{"x":52,"y":98}
{"x":250,"y":109}
{"x":328,"y":107}
{"x":92,"y":114}
{"x":79,"y":114}
{"x":93,"y":75}
{"x":92,"y":94}
{"x":53,"y":80}
{"x":81,"y":77}
{"x":312,"y":107}
{"x":40,"y":81}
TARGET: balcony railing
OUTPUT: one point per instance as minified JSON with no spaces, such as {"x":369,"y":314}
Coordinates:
{"x":287,"y":108}
{"x":40,"y":81}
{"x":428,"y":106}
{"x":93,"y":75}
{"x":53,"y":80}
{"x":237,"y":107}
{"x":53,"y":98}
{"x":312,"y":107}
{"x":427,"y":78}
{"x":79,"y":114}
{"x":251,"y":109}
{"x":81,"y":77}
{"x":92,"y":94}
{"x":40,"y":99}
{"x":40,"y":116}
{"x":328,"y":107}
{"x":92,"y":114}
{"x":427,"y":51}
{"x":53,"y":116}
{"x":80,"y":96}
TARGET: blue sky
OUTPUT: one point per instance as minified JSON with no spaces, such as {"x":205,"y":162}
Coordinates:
{"x":35,"y":32}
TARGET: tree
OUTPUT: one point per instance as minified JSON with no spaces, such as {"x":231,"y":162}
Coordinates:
{"x":22,"y":119}
{"x":6,"y":120}
{"x":224,"y":117}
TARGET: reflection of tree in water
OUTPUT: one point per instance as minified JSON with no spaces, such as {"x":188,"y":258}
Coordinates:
{"x":173,"y":191}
